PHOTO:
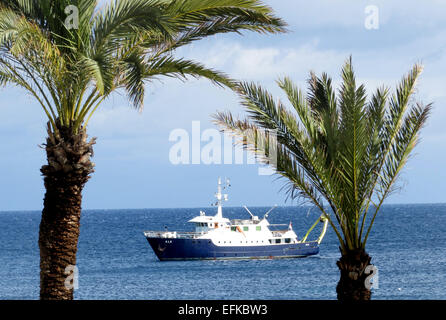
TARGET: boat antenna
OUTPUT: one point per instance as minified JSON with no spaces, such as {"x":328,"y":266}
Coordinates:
{"x":268,"y":212}
{"x":252,"y":216}
{"x":228,"y":184}
{"x":248,"y":211}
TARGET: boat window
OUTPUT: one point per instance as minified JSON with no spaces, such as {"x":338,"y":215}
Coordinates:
{"x":233,"y":228}
{"x":270,"y":241}
{"x":258,"y":228}
{"x":245,"y":228}
{"x":278,"y":240}
{"x":287,"y":240}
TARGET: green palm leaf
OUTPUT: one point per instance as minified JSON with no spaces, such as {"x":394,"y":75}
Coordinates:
{"x":340,"y":150}
{"x":125,"y":45}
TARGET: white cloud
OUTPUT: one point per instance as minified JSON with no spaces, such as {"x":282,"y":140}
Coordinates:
{"x":346,"y":13}
{"x":266,"y":62}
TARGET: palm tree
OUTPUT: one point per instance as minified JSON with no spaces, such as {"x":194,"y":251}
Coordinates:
{"x":71,"y":64}
{"x":341,"y":153}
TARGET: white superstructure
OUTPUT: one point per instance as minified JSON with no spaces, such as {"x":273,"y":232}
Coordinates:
{"x":239,"y":232}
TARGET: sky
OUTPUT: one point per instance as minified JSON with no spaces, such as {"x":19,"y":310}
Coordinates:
{"x":133,"y":150}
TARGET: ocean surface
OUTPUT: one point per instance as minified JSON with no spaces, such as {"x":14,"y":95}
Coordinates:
{"x":407,"y":245}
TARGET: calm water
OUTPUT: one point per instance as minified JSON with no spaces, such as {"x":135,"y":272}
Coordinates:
{"x":408,"y":245}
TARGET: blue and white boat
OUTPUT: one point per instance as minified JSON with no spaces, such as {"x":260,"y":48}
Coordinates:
{"x":217,"y":237}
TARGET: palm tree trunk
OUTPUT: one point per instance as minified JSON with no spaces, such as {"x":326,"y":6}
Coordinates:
{"x":69,"y":168}
{"x":352,"y":284}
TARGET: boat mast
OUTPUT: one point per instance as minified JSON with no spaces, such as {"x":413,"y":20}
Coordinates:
{"x":220,"y":197}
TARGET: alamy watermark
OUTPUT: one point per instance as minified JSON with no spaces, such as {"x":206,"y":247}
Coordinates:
{"x":219,"y":148}
{"x":72,"y":19}
{"x":372,"y":280}
{"x":72,"y":279}
{"x":371,"y":21}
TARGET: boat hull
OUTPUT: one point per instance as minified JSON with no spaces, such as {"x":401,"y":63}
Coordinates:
{"x":204,"y":249}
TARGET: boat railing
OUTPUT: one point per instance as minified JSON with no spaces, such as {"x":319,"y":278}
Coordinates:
{"x":172,"y":234}
{"x":244,"y":221}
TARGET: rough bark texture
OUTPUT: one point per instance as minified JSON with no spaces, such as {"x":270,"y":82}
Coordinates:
{"x":68,"y":170}
{"x":352,"y":284}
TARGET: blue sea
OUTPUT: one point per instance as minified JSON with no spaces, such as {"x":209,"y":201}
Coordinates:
{"x":407,"y":245}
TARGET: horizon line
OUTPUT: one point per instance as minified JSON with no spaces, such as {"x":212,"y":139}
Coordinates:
{"x":241,"y":206}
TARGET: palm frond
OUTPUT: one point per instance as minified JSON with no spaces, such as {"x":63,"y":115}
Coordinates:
{"x":336,"y":149}
{"x":124,"y":45}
